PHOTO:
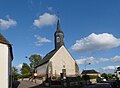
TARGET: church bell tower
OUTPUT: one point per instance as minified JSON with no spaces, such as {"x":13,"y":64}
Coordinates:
{"x":59,"y":37}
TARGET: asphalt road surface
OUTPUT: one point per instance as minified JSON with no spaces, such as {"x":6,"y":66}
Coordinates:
{"x":25,"y":84}
{"x":28,"y":84}
{"x":99,"y":85}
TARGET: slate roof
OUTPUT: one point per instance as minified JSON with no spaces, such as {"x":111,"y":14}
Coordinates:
{"x":46,"y":58}
{"x":89,"y":72}
{"x":58,"y":28}
{"x":3,"y":40}
{"x":118,"y":69}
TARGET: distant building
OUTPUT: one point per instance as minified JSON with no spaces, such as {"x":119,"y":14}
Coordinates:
{"x":58,"y":60}
{"x":92,"y":74}
{"x":6,"y":57}
{"x":118,"y":72}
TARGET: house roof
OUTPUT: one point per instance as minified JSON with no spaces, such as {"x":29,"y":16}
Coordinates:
{"x":118,"y":69}
{"x":47,"y":58}
{"x":3,"y":40}
{"x":89,"y":72}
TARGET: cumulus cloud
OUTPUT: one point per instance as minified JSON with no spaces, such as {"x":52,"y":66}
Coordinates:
{"x":96,"y":42}
{"x":45,"y":20}
{"x":41,"y":40}
{"x":87,"y":60}
{"x":110,"y":67}
{"x":116,"y":59}
{"x":5,"y":24}
{"x":92,"y":60}
{"x":19,"y":66}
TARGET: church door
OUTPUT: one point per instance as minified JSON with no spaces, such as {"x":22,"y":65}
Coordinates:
{"x":64,"y":72}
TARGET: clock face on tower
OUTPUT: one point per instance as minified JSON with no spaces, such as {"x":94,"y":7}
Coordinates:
{"x":58,"y":39}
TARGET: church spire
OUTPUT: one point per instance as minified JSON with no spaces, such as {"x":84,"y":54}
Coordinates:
{"x":59,"y":36}
{"x":58,"y":26}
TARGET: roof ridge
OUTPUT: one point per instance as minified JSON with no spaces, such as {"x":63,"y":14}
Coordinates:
{"x":3,"y":39}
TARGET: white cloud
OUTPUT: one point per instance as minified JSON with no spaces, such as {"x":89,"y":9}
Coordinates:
{"x":45,"y":20}
{"x":93,"y":60}
{"x":5,"y":24}
{"x":41,"y":40}
{"x":115,"y":59}
{"x":19,"y":66}
{"x":96,"y":42}
{"x":87,"y":60}
{"x":110,"y":67}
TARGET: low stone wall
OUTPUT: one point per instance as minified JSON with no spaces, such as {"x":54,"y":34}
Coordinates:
{"x":23,"y":79}
{"x":38,"y":81}
{"x":93,"y":81}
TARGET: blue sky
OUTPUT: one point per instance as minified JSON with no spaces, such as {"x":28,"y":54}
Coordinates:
{"x":91,"y":29}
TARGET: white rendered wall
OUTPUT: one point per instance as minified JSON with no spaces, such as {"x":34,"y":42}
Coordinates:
{"x":63,"y":60}
{"x":4,"y":66}
{"x":118,"y":74}
{"x":41,"y":70}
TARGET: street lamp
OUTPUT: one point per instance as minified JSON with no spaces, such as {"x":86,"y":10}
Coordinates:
{"x":86,"y":65}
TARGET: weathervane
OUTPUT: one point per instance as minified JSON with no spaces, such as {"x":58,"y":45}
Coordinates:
{"x":58,"y":15}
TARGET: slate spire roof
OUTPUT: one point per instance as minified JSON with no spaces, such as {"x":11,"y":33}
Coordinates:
{"x":58,"y":27}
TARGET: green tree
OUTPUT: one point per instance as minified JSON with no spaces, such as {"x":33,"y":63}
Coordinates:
{"x":110,"y":76}
{"x":86,"y":77}
{"x":14,"y":70}
{"x":105,"y":76}
{"x":34,"y":60}
{"x":25,"y":70}
{"x":15,"y":73}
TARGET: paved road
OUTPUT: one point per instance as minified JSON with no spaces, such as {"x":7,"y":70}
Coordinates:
{"x":99,"y":85}
{"x":28,"y":84}
{"x":25,"y":84}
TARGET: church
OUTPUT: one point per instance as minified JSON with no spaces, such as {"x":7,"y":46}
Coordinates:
{"x":58,"y":60}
